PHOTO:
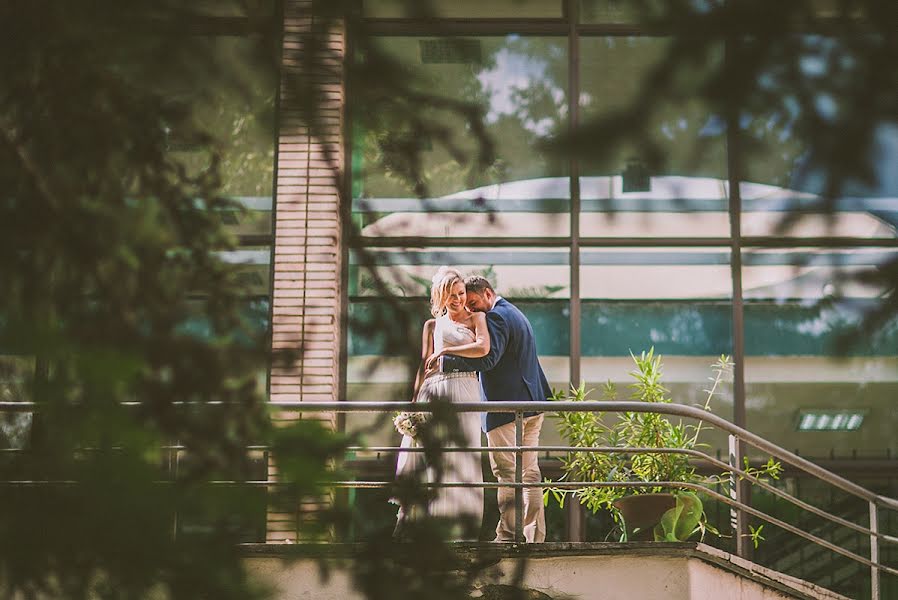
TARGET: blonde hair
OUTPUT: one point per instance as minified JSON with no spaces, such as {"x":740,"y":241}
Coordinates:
{"x":441,"y":287}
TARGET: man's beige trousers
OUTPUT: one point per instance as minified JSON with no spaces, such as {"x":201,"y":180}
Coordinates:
{"x":503,"y":468}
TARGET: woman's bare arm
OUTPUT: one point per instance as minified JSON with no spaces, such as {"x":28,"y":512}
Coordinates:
{"x":479,"y":347}
{"x":426,"y":351}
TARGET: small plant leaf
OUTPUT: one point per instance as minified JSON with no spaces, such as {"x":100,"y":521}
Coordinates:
{"x":679,"y":523}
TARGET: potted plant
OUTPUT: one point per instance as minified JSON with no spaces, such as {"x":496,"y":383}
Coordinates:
{"x":645,"y":512}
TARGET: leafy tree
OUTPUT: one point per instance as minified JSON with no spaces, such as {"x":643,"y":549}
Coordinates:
{"x":113,"y":283}
{"x":114,"y":287}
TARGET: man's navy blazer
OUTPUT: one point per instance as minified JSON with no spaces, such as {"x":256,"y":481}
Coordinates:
{"x":511,"y":370}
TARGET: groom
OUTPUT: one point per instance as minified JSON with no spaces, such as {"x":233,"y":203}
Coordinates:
{"x":510,"y":372}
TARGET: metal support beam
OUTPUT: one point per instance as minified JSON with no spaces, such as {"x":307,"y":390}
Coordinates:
{"x":576,"y":520}
{"x":738,"y":518}
{"x":519,"y":476}
{"x":874,"y":552}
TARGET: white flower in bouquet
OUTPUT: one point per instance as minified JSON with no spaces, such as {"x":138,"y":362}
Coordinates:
{"x":408,"y":423}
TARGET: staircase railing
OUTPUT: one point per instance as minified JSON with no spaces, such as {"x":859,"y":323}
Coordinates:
{"x":738,"y":438}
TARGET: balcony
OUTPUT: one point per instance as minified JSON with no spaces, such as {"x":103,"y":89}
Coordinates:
{"x":845,"y":544}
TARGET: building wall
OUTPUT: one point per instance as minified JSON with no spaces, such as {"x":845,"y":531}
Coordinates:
{"x":306,"y":292}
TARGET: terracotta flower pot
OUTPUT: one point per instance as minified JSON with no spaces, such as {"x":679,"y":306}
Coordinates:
{"x":642,"y":512}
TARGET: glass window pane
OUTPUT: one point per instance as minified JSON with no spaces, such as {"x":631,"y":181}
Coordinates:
{"x":667,"y":206}
{"x":627,"y":11}
{"x":519,"y":84}
{"x":814,"y":273}
{"x":255,"y":325}
{"x":234,"y":106}
{"x":234,"y":8}
{"x":253,"y":268}
{"x":231,"y":116}
{"x":16,"y":378}
{"x":253,"y":217}
{"x":834,"y":8}
{"x":783,"y":193}
{"x":239,"y":115}
{"x":608,"y":11}
{"x":815,"y":381}
{"x":769,"y":210}
{"x":787,"y":188}
{"x":677,"y":301}
{"x":462,"y":9}
{"x":668,"y":176}
{"x":655,"y":273}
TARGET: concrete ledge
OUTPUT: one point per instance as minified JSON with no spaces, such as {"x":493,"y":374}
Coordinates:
{"x":646,"y":570}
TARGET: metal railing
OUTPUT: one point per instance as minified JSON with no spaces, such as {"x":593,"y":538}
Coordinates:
{"x":735,"y":500}
{"x":738,"y":437}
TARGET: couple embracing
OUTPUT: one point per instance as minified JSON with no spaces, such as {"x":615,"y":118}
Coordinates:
{"x":480,"y":346}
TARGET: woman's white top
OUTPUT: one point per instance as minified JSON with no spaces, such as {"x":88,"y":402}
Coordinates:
{"x":449,"y":333}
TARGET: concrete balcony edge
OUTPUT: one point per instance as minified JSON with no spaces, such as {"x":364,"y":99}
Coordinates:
{"x":485,"y":554}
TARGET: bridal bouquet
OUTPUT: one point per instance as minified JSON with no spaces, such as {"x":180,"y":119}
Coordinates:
{"x":407,"y":423}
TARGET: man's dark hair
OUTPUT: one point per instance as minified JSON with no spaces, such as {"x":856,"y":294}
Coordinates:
{"x":478,"y":283}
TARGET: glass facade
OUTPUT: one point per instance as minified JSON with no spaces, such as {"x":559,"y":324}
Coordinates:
{"x":806,"y":351}
{"x":688,"y":236}
{"x":634,"y":239}
{"x":519,"y":84}
{"x":465,"y":9}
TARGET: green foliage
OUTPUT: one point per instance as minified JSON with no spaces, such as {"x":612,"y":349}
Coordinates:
{"x":646,"y":431}
{"x":755,"y":534}
{"x":630,"y":430}
{"x":682,"y":521}
{"x":772,"y":469}
{"x":115,"y":290}
{"x":111,"y":201}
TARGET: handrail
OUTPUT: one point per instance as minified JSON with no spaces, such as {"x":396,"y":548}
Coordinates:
{"x":685,"y":451}
{"x":518,"y":408}
{"x":664,"y":484}
{"x":608,"y":406}
{"x":560,"y":406}
{"x":737,"y":434}
{"x":599,"y":449}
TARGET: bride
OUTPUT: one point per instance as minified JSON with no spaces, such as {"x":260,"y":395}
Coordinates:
{"x":454,"y":330}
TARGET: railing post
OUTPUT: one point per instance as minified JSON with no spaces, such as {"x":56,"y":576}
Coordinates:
{"x":174,"y":459}
{"x":874,"y":552}
{"x":738,"y":519}
{"x":576,"y":521}
{"x":519,"y":476}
